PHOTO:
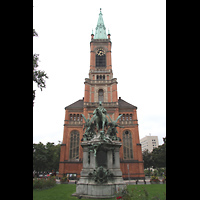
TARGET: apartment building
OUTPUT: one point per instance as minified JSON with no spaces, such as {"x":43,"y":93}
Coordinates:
{"x":149,"y":142}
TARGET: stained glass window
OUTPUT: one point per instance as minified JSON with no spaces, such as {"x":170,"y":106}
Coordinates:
{"x":127,"y":145}
{"x":74,"y":145}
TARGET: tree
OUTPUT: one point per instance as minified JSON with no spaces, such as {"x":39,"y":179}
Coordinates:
{"x":39,"y":157}
{"x":53,"y":156}
{"x":38,"y":75}
{"x":156,"y":158}
{"x":46,"y":157}
{"x":159,"y":155}
{"x":148,"y":161}
{"x":147,"y":158}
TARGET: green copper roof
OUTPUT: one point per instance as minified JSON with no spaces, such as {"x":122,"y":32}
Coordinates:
{"x":100,"y":32}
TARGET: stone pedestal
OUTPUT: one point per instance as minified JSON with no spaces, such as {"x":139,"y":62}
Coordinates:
{"x":101,"y":176}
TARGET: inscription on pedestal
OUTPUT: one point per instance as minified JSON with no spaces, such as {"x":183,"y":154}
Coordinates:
{"x":101,"y":158}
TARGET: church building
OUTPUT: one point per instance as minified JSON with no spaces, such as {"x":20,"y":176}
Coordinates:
{"x":101,"y":86}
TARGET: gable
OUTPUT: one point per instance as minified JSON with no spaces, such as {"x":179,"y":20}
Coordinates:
{"x":76,"y":105}
{"x":125,"y":105}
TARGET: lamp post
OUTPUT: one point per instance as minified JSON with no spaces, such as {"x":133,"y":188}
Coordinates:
{"x":128,"y":173}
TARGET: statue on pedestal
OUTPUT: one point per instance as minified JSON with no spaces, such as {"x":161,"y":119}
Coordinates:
{"x":101,"y":176}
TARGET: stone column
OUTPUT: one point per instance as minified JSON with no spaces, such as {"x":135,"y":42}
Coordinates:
{"x":109,"y":159}
{"x":117,"y":161}
{"x":85,"y":157}
{"x":92,"y":160}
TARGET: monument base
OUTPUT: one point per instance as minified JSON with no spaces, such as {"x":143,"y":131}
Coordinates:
{"x":96,"y":191}
{"x":93,"y":197}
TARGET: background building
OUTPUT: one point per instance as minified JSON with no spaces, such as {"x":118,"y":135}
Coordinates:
{"x":149,"y":142}
{"x":101,"y":86}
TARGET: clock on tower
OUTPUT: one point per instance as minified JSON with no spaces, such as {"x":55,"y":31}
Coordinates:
{"x":100,"y":58}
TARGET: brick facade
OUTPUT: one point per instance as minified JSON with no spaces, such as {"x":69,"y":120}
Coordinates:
{"x":102,"y":86}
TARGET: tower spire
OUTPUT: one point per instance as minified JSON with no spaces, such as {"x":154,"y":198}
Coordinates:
{"x":100,"y":32}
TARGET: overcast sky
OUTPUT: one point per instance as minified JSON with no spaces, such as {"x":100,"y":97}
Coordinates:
{"x":138,"y":35}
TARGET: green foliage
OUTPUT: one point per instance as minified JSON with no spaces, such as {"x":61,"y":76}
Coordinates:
{"x":64,"y":178}
{"x":142,"y":192}
{"x":154,"y":178}
{"x":156,"y":158}
{"x":35,"y":33}
{"x":59,"y":192}
{"x":39,"y":157}
{"x":41,"y":183}
{"x":147,"y":157}
{"x":147,"y":172}
{"x":133,"y":193}
{"x":38,"y":75}
{"x":46,"y":157}
{"x":159,"y":155}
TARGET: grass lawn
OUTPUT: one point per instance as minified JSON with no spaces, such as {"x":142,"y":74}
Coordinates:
{"x":64,"y":191}
{"x":158,"y":191}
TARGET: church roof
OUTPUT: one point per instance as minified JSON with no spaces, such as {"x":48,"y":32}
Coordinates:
{"x":79,"y":104}
{"x":124,"y":104}
{"x":100,"y":32}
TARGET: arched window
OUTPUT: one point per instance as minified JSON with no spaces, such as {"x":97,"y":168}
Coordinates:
{"x":74,"y":145}
{"x":131,"y":116}
{"x":74,"y":117}
{"x":127,"y":115}
{"x":97,"y":77}
{"x":100,"y":95}
{"x":127,"y":145}
{"x":100,"y":60}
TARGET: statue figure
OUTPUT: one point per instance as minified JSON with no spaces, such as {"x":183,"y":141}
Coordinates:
{"x":90,"y":129}
{"x":99,"y":117}
{"x":112,"y":128}
{"x":104,"y":137}
{"x":94,"y":147}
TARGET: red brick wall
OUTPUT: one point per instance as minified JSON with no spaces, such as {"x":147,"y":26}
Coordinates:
{"x":114,"y":93}
{"x":136,"y":168}
{"x":87,"y":93}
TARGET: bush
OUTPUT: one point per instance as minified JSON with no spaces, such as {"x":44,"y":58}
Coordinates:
{"x":44,"y":183}
{"x":64,"y":179}
{"x":147,"y":172}
{"x":134,"y":193}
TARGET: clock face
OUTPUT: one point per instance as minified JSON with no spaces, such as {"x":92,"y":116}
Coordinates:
{"x":100,"y":52}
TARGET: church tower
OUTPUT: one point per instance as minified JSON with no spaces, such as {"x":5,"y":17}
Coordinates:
{"x":101,"y":86}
